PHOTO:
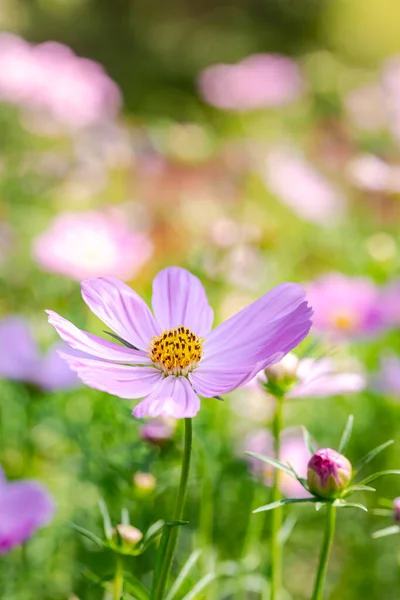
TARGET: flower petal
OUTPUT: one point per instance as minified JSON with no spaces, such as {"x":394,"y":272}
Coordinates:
{"x":260,"y":335}
{"x":319,"y":378}
{"x":175,"y":397}
{"x":122,"y":309}
{"x":123,"y":381}
{"x":179,"y":299}
{"x":91,"y":344}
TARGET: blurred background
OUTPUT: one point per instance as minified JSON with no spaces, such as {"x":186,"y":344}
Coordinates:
{"x":252,"y":143}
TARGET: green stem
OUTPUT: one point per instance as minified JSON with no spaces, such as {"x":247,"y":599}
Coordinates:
{"x":276,"y":546}
{"x":170,"y":535}
{"x":325,"y":550}
{"x":118,"y":579}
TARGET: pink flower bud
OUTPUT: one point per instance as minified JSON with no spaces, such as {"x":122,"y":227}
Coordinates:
{"x":328,"y":473}
{"x":396,"y":509}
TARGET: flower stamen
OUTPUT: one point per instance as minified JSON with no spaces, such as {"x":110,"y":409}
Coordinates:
{"x":176,"y":351}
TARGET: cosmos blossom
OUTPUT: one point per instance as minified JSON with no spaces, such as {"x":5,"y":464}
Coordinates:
{"x":92,"y":243}
{"x":171,"y":358}
{"x":23,"y":360}
{"x":25,"y":506}
{"x":258,"y":81}
{"x":346,"y":307}
{"x":312,"y":378}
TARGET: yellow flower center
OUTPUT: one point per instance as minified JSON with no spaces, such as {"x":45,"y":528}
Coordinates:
{"x":176,"y":351}
{"x":344,"y":321}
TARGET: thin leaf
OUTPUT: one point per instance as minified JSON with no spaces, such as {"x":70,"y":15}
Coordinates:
{"x":137,"y":588}
{"x":187,"y":567}
{"x":282,"y":502}
{"x":382,"y":512}
{"x":319,"y":505}
{"x":108,"y":530}
{"x":120,"y":339}
{"x":273,"y":462}
{"x":88,"y":534}
{"x":358,"y":488}
{"x":379,"y":474}
{"x":346,"y":435}
{"x":339,"y":503}
{"x":308,"y":441}
{"x":371,"y":455}
{"x":199,"y":587}
{"x":387,"y":531}
{"x":125,"y":516}
{"x":286,"y":529}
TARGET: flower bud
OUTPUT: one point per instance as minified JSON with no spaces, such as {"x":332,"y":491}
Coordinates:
{"x":396,"y":509}
{"x":129,"y":534}
{"x":144,"y":483}
{"x":285,"y":370}
{"x":158,"y":431}
{"x":328,"y":473}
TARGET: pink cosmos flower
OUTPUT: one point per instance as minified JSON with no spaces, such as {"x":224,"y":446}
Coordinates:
{"x":90,"y":244}
{"x":387,"y":380}
{"x":50,"y":79}
{"x":158,"y":431}
{"x":303,"y":189}
{"x":173,"y":357}
{"x":373,"y":174}
{"x":21,"y":359}
{"x":311,"y":378}
{"x":25,"y":506}
{"x":293,"y":452}
{"x":391,"y":303}
{"x":345,"y":306}
{"x":258,"y":81}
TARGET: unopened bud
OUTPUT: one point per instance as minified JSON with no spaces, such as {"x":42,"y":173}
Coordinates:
{"x":129,"y":534}
{"x":158,"y":431}
{"x":328,"y":473}
{"x":144,"y":483}
{"x":396,"y":509}
{"x":283,"y":371}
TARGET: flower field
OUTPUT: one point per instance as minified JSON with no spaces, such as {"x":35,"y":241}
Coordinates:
{"x":199,"y":301}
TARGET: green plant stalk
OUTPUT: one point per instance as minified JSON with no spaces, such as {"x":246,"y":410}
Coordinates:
{"x":170,"y":536}
{"x":118,"y":579}
{"x":325,"y":550}
{"x":276,"y":546}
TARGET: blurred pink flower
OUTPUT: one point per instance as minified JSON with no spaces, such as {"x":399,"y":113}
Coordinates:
{"x":373,"y":174}
{"x":391,"y":303}
{"x":49,"y":78}
{"x":312,"y":378}
{"x":92,"y":244}
{"x":346,"y":307}
{"x":158,"y":431}
{"x":293,"y":452}
{"x":302,"y":188}
{"x":258,"y":81}
{"x":390,"y":79}
{"x":25,"y":506}
{"x":387,"y":380}
{"x":21,"y":359}
{"x":366,"y":107}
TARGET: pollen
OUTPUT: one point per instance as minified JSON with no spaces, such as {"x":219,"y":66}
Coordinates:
{"x":176,"y":351}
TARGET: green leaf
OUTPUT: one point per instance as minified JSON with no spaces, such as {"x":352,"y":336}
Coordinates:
{"x":308,"y":441}
{"x":286,"y":529}
{"x":346,"y":435}
{"x":125,"y":516}
{"x":339,"y":503}
{"x":151,"y":534}
{"x":358,"y":488}
{"x":319,"y":505}
{"x":284,"y":501}
{"x":379,"y":474}
{"x":177,"y":523}
{"x":387,"y":531}
{"x":199,"y":587}
{"x":137,"y":588}
{"x":107,"y":526}
{"x":371,"y":455}
{"x":382,"y":512}
{"x":88,"y":534}
{"x":187,"y":567}
{"x":274,"y":463}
